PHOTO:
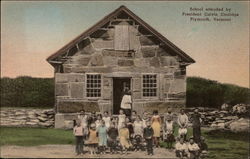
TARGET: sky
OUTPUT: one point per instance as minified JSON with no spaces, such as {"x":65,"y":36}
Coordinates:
{"x":32,"y":31}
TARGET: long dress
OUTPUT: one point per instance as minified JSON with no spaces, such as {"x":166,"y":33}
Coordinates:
{"x":93,"y":139}
{"x":138,"y":128}
{"x":124,"y":137}
{"x":102,"y":135}
{"x":156,"y":120}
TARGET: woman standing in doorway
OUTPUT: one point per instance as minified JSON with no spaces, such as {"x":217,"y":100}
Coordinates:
{"x":126,"y":103}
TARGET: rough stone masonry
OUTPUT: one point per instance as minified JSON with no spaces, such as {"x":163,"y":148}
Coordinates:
{"x":121,"y":46}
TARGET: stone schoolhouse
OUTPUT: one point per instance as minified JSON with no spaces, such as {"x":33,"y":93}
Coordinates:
{"x":119,"y":51}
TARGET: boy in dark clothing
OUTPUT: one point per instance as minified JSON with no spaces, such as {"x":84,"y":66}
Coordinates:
{"x":148,"y":135}
{"x":112,"y":138}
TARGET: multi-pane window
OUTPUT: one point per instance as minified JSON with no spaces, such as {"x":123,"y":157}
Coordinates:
{"x":93,"y":85}
{"x":149,"y":85}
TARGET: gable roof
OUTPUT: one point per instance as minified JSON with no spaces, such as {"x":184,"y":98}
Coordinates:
{"x":106,"y":19}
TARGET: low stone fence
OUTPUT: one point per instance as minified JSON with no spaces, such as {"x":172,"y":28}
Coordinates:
{"x":220,"y":119}
{"x":26,"y":117}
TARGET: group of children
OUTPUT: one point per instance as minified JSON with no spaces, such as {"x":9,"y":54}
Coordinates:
{"x":123,"y":133}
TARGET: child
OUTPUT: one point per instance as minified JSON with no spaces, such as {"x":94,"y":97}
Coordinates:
{"x":106,"y":119}
{"x":181,"y":148}
{"x":144,"y":119}
{"x":124,"y":137}
{"x":98,"y":122}
{"x":193,"y":149}
{"x":78,"y":132}
{"x":182,"y":121}
{"x":114,"y":120}
{"x":84,"y":122}
{"x":92,"y":118}
{"x":148,"y":135}
{"x":121,"y":118}
{"x":130,"y":127}
{"x":169,"y":114}
{"x":203,"y":148}
{"x":156,"y":125}
{"x":133,"y":116}
{"x":102,"y":135}
{"x":169,"y":132}
{"x":138,"y":133}
{"x":112,"y":138}
{"x":93,"y":139}
{"x":138,"y":126}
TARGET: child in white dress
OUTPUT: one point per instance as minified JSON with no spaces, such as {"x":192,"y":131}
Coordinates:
{"x":106,"y":119}
{"x":98,"y":122}
{"x":121,"y":119}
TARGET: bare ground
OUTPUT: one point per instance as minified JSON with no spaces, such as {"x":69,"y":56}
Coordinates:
{"x":67,"y":151}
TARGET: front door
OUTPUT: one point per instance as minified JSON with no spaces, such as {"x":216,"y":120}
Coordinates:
{"x":119,"y":85}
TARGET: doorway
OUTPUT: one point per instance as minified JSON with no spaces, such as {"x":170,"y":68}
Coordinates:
{"x":119,"y":85}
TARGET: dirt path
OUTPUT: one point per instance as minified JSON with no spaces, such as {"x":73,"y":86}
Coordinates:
{"x":67,"y":151}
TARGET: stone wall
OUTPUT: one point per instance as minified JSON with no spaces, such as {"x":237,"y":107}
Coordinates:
{"x":20,"y":117}
{"x":219,"y":119}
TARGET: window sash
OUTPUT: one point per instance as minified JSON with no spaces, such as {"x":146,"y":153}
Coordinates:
{"x":149,"y":85}
{"x":93,"y":85}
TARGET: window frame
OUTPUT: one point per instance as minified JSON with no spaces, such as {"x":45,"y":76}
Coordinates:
{"x":142,"y":87}
{"x":86,"y":92}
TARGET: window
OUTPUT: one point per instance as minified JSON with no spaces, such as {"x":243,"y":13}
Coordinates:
{"x":93,"y":85}
{"x":149,"y":86}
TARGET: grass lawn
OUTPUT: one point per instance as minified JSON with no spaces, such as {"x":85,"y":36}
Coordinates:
{"x":227,"y":145}
{"x":35,"y":136}
{"x":221,"y":144}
